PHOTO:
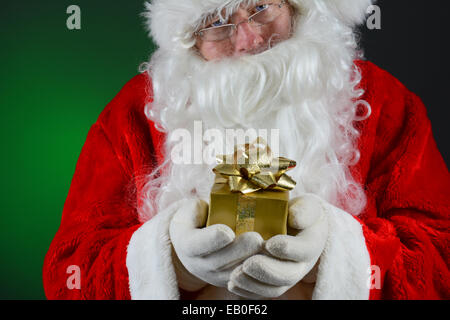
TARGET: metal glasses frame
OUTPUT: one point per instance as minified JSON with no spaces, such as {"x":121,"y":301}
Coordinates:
{"x":234,"y":26}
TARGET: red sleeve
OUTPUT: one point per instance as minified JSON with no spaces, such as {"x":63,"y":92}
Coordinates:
{"x":100,"y":214}
{"x":406,"y":224}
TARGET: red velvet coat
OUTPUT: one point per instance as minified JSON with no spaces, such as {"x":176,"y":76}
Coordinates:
{"x":405,"y":225}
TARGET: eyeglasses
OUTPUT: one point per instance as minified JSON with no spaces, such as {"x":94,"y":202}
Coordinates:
{"x":259,"y":15}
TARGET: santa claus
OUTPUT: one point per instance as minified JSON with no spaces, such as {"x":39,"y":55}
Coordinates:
{"x":367,"y":219}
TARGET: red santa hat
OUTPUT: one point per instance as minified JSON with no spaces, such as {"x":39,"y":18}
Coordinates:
{"x":172,"y":23}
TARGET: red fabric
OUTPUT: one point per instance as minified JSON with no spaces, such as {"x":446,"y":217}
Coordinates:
{"x":406,"y":223}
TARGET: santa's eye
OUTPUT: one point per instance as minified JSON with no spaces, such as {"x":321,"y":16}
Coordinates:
{"x":261,"y":7}
{"x":217,"y":23}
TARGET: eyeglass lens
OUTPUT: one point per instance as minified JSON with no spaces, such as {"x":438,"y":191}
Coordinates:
{"x":263,"y":14}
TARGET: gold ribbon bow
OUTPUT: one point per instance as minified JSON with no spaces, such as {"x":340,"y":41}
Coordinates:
{"x":252,"y":168}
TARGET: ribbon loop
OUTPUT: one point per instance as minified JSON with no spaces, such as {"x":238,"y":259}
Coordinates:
{"x":253,"y":168}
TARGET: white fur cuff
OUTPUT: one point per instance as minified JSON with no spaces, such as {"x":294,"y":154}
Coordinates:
{"x":149,"y":261}
{"x":344,"y":269}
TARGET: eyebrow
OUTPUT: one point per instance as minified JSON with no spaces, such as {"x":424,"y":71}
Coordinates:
{"x":225,"y":11}
{"x":212,"y":17}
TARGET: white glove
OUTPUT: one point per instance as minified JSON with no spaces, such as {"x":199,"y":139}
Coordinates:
{"x":289,"y":258}
{"x":210,"y":254}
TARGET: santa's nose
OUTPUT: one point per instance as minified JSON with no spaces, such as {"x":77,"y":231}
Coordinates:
{"x":247,"y":38}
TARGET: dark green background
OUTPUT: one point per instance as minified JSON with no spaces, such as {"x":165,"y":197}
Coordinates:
{"x":54,"y":83}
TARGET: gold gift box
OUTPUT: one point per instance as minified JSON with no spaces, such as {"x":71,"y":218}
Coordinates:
{"x":263,"y":211}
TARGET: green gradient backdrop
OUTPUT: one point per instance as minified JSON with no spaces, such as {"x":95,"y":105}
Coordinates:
{"x":54,"y":84}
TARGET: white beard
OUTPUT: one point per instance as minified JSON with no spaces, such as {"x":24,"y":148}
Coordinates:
{"x":305,"y":86}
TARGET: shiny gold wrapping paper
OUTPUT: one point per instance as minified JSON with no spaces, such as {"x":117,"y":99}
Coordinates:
{"x":263,"y":211}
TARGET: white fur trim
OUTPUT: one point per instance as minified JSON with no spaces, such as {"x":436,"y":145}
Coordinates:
{"x":343,"y":272}
{"x":344,"y":269}
{"x":149,"y":260}
{"x":172,"y":22}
